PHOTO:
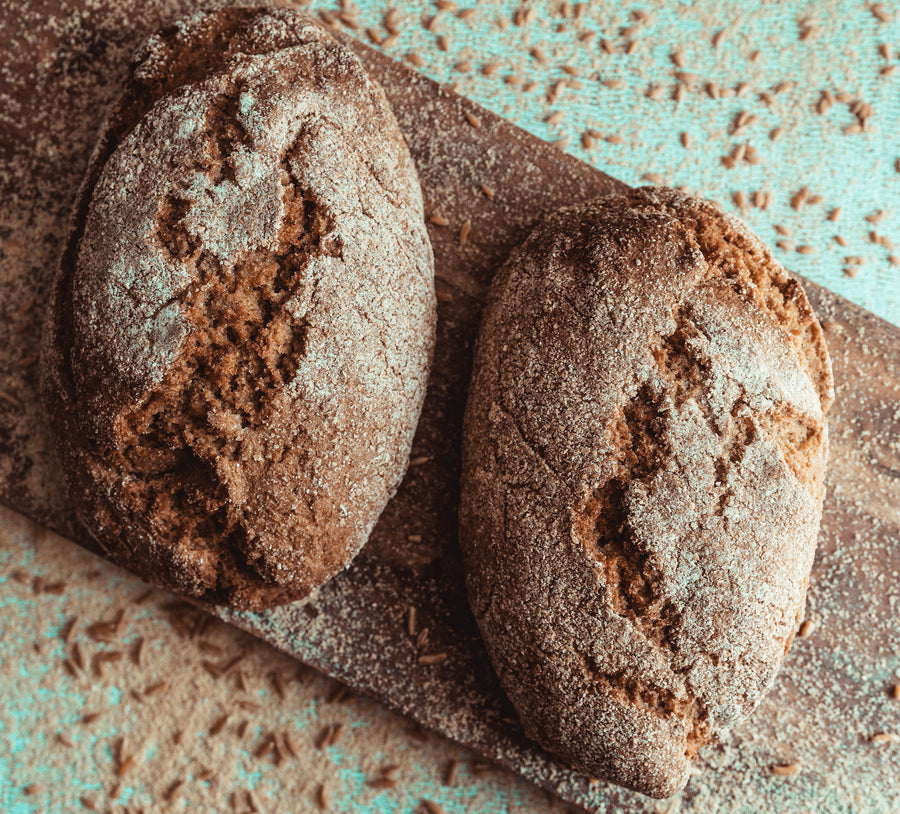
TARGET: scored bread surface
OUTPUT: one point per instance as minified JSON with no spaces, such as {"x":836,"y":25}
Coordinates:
{"x":643,"y":469}
{"x":242,"y":325}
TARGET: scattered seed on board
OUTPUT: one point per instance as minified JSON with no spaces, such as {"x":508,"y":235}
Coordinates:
{"x":252,"y":801}
{"x":279,"y":684}
{"x":806,"y":249}
{"x":885,"y":737}
{"x":776,"y":133}
{"x":880,"y":13}
{"x":173,"y":789}
{"x":806,"y":629}
{"x":687,"y":77}
{"x":266,"y":746}
{"x":895,"y":692}
{"x":451,"y":774}
{"x":323,"y":797}
{"x":472,"y":119}
{"x":323,"y":738}
{"x":834,"y":214}
{"x":488,"y":191}
{"x":555,"y":118}
{"x":840,"y":240}
{"x":219,"y":725}
{"x":433,"y":808}
{"x":439,"y":220}
{"x":786,"y":769}
{"x":799,"y":198}
{"x":433,"y":658}
{"x":381,"y":783}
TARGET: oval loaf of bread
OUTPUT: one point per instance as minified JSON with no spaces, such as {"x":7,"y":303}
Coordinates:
{"x":643,"y":463}
{"x":242,"y":326}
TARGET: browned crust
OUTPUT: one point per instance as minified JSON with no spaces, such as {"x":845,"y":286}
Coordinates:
{"x":643,"y":469}
{"x":262,"y":492}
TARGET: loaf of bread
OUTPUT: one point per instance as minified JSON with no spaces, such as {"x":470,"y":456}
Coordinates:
{"x":643,"y":463}
{"x":242,"y":325}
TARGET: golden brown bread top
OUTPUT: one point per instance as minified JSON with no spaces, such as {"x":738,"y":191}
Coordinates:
{"x":643,"y":468}
{"x":243,"y":322}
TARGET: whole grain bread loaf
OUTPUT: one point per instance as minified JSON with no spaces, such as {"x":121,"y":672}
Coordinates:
{"x":242,"y":325}
{"x":643,"y":464}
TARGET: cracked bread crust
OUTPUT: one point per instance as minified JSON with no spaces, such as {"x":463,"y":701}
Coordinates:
{"x":643,"y":473}
{"x":242,"y":325}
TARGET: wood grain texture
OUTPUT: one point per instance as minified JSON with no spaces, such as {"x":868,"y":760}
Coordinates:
{"x":831,"y":696}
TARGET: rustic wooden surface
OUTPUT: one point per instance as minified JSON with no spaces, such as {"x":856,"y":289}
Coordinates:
{"x":829,"y":700}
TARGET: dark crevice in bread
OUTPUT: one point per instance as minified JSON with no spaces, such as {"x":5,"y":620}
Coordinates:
{"x":630,"y":689}
{"x":731,"y":253}
{"x":224,"y":123}
{"x":244,"y":347}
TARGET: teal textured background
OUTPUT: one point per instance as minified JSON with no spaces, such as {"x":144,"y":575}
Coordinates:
{"x":856,"y":172}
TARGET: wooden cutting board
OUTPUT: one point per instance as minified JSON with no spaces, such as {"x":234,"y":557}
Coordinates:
{"x":489,"y":181}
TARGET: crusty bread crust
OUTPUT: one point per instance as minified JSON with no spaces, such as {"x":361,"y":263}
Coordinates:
{"x":643,"y":468}
{"x":241,"y":328}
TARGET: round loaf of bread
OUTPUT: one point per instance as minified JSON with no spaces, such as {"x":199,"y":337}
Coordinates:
{"x":643,"y":463}
{"x":241,"y":329}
